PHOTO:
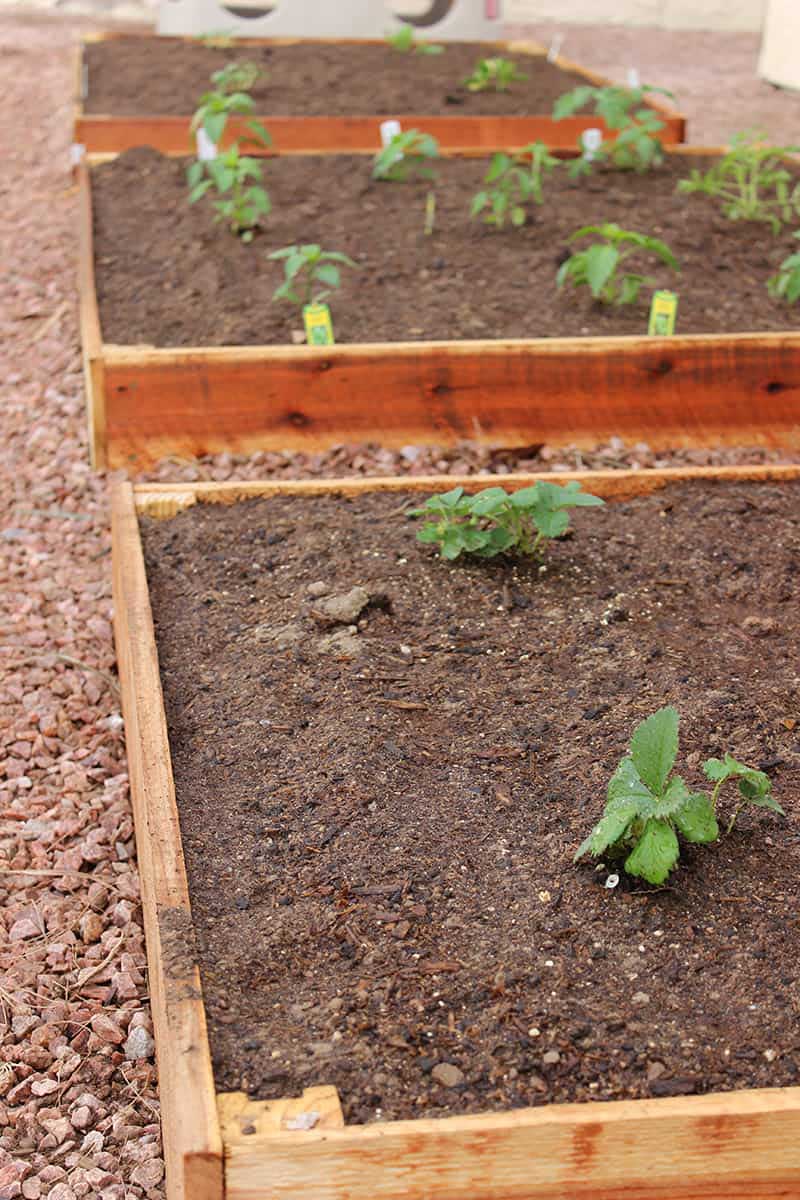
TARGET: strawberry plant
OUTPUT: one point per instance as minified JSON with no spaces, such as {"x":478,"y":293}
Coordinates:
{"x":493,"y":74}
{"x":785,"y":283}
{"x":598,"y":266}
{"x":405,"y":40}
{"x":751,"y":181}
{"x":404,"y":155}
{"x":512,"y":183}
{"x":647,"y":806}
{"x":305,"y":267}
{"x":495,"y":521}
{"x":636,"y":146}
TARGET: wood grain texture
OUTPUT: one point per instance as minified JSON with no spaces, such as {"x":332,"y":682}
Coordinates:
{"x":687,"y":391}
{"x":734,"y":1146}
{"x":242,"y":1118}
{"x":192,"y":1140}
{"x":107,"y":133}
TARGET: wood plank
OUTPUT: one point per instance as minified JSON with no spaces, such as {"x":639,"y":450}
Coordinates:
{"x":192,"y":1140}
{"x":164,"y":500}
{"x":736,"y":1146}
{"x":89,"y":320}
{"x":691,"y":391}
{"x":242,"y":1118}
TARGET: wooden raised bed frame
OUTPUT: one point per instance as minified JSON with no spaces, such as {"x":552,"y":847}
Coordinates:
{"x":690,"y":391}
{"x":741,"y":1145}
{"x":101,"y":134}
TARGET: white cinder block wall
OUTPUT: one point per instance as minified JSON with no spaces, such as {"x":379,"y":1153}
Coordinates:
{"x":731,"y":15}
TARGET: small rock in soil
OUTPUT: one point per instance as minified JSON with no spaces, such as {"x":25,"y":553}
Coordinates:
{"x":640,"y":998}
{"x":551,"y":1058}
{"x":318,"y":588}
{"x":344,"y":642}
{"x":139,"y":1044}
{"x":447,"y":1074}
{"x":281,"y":636}
{"x":343,"y":609}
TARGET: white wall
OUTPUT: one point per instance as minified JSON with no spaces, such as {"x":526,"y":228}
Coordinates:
{"x":731,"y":15}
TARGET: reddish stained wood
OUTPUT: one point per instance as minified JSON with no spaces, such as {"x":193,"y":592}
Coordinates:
{"x":681,"y":392}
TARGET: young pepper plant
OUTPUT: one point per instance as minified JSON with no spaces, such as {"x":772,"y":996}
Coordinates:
{"x":237,"y":178}
{"x":405,"y":40}
{"x":406,"y":154}
{"x":493,"y":74}
{"x":494,"y":521}
{"x":751,"y":181}
{"x":598,"y":266}
{"x":647,"y":806}
{"x":512,"y":184}
{"x":305,"y":267}
{"x":228,"y":98}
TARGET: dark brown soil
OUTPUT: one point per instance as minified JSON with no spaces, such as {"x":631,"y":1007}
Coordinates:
{"x":144,"y":76}
{"x":168,"y":276}
{"x":379,"y":847}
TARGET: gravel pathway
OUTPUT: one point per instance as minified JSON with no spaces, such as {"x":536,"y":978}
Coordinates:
{"x":78,"y":1101}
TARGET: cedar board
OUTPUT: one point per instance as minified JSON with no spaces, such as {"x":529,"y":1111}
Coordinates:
{"x":741,"y":1145}
{"x":109,"y":134}
{"x":700,"y":390}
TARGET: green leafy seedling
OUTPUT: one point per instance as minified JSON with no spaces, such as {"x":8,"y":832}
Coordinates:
{"x":405,"y":40}
{"x":217,"y":39}
{"x":647,"y":806}
{"x":493,"y":74}
{"x":225,"y":100}
{"x":751,"y":181}
{"x":495,"y":521}
{"x":755,"y":787}
{"x":407,"y":154}
{"x":636,"y":146}
{"x":305,"y":268}
{"x":598,"y":266}
{"x":512,"y":183}
{"x":237,"y":180}
{"x":785,"y":283}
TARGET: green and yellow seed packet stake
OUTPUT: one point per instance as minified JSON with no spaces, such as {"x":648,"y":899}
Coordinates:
{"x":318,"y":324}
{"x":663,"y":311}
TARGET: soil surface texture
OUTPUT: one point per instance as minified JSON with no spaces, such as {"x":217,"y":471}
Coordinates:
{"x":380,"y":807}
{"x":142,"y":76}
{"x":167,"y":275}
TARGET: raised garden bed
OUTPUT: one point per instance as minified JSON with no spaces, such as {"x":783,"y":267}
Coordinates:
{"x":499,"y":757}
{"x":158,"y":387}
{"x":326,"y":96}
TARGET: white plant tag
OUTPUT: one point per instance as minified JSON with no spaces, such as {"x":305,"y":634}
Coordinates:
{"x":76,"y":153}
{"x":84,"y":81}
{"x":389,"y":130}
{"x":206,"y":149}
{"x":592,"y":140}
{"x":555,"y":47}
{"x":633,"y":78}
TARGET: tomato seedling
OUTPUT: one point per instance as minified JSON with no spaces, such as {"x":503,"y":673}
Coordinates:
{"x":598,"y":266}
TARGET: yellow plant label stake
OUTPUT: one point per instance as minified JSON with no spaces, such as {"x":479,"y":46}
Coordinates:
{"x":663,"y":311}
{"x":319,"y":327}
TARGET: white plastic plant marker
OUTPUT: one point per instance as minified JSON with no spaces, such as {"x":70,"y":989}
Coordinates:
{"x":555,"y":47}
{"x":389,"y":130}
{"x":77,"y":152}
{"x":206,"y":149}
{"x":633,"y":78}
{"x":612,"y":881}
{"x":84,"y":81}
{"x":591,"y":140}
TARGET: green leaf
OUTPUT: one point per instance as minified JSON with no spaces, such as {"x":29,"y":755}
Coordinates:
{"x":329,"y":274}
{"x":696,"y":819}
{"x":625,"y":786}
{"x":452,"y":542}
{"x":214,"y":125}
{"x":612,"y":826}
{"x":261,"y":132}
{"x":673,"y":798}
{"x":551,"y":524}
{"x":499,"y":164}
{"x":570,"y":102}
{"x":489,"y":501}
{"x":654,"y":748}
{"x":656,"y":852}
{"x":199,"y":190}
{"x":479,"y":202}
{"x":601,"y":263}
{"x":584,"y":848}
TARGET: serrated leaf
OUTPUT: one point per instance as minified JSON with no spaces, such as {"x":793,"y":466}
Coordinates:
{"x":525,"y":497}
{"x":612,"y":826}
{"x":329,"y":274}
{"x":654,"y":748}
{"x":656,"y":852}
{"x":452,"y":543}
{"x":673,"y":798}
{"x":488,"y":501}
{"x":696,"y":819}
{"x":625,"y":786}
{"x":214,"y":125}
{"x":551,"y":524}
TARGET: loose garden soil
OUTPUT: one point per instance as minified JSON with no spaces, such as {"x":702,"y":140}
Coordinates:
{"x":168,"y":276}
{"x":379,"y":828}
{"x":147,"y":76}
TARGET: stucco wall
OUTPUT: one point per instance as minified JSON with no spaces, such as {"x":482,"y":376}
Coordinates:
{"x":739,"y":15}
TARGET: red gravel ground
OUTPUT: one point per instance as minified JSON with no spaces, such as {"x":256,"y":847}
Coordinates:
{"x":78,"y":1099}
